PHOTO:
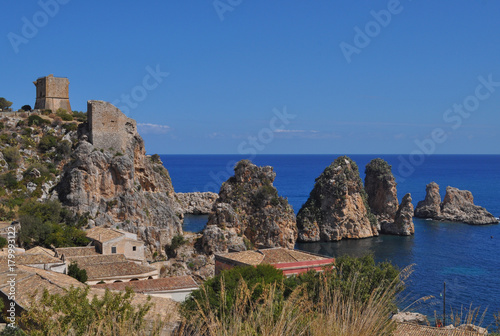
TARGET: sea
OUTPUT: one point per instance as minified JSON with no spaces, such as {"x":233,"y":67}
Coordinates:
{"x":464,"y":258}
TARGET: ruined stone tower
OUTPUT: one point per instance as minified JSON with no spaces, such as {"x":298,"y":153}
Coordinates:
{"x":52,"y":93}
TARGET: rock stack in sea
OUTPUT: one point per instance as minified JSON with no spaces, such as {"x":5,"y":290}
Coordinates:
{"x":337,"y":207}
{"x":457,"y":206}
{"x":380,"y":186}
{"x":249,"y":213}
{"x":112,"y":180}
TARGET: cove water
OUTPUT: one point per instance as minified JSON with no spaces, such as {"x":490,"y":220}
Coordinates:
{"x":466,"y":257}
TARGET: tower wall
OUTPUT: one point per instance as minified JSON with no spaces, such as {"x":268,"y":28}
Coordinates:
{"x":52,"y":93}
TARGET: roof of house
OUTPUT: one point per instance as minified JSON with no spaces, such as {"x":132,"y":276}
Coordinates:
{"x":31,"y":283}
{"x":31,"y":259}
{"x":76,"y":251}
{"x":103,"y":234}
{"x":409,"y":329}
{"x":41,"y":250}
{"x":153,"y":285}
{"x":110,"y":265}
{"x":276,"y":255}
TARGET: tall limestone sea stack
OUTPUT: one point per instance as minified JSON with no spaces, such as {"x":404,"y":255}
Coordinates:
{"x":111,"y":179}
{"x":457,"y":206}
{"x":380,"y":186}
{"x":249,"y":213}
{"x":337,"y":207}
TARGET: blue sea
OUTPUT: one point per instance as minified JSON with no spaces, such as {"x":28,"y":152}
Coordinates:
{"x":466,"y":257}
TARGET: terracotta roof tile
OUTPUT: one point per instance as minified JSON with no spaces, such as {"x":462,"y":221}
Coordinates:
{"x":97,"y":259}
{"x":31,"y":259}
{"x":41,"y":250}
{"x":110,"y":265}
{"x":408,"y":329}
{"x":271,"y":256}
{"x":76,"y":251}
{"x":146,"y":286}
{"x":103,"y":234}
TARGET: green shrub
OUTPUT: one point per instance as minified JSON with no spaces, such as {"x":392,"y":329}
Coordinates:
{"x":70,"y":127}
{"x":37,"y":120}
{"x":47,"y":142}
{"x":64,"y":115}
{"x":80,"y":116}
{"x":75,"y":272}
{"x":9,"y":180}
{"x":3,"y":242}
{"x":171,"y":249}
{"x":12,"y":156}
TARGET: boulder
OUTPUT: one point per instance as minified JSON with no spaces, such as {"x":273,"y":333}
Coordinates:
{"x":430,"y":207}
{"x":458,"y":206}
{"x":337,"y":207}
{"x":407,"y":317}
{"x":249,"y":212}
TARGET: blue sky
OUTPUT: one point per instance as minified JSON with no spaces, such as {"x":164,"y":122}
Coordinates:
{"x":271,"y":76}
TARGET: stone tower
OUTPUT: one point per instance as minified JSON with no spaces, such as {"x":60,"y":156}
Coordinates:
{"x":52,"y":93}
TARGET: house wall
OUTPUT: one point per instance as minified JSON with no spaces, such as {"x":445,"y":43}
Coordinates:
{"x":125,"y":247}
{"x":178,"y":295}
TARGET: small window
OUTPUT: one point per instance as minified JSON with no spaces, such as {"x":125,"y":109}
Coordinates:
{"x":113,"y":249}
{"x":134,"y":248}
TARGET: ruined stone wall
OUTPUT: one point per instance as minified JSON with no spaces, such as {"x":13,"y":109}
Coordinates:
{"x":109,"y":128}
{"x":52,"y":93}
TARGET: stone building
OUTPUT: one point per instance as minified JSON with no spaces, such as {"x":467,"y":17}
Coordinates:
{"x":110,"y":129}
{"x":113,"y":241}
{"x":52,"y":93}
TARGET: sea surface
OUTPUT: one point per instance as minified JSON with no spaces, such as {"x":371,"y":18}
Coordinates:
{"x":466,"y":257}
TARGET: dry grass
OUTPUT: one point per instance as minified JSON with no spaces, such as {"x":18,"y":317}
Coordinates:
{"x":335,"y":314}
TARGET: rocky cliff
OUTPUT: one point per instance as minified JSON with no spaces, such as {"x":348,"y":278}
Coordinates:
{"x":457,"y":206}
{"x":249,"y":213}
{"x":196,"y":203}
{"x":120,"y":185}
{"x":337,"y":207}
{"x":380,"y":186}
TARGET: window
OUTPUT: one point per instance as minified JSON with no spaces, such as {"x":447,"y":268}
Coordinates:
{"x":134,"y":248}
{"x":113,"y":249}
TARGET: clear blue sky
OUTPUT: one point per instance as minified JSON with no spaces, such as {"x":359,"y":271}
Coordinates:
{"x":227,"y":76}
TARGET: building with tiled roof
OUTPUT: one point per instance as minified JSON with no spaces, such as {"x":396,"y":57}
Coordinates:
{"x":176,"y":288}
{"x":113,"y":268}
{"x":41,"y":261}
{"x":113,"y":241}
{"x":409,"y":329}
{"x":41,"y":250}
{"x":65,"y":252}
{"x":291,"y":262}
{"x":31,"y":282}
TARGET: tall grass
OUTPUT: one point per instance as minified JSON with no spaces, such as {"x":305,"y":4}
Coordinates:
{"x":337,"y":312}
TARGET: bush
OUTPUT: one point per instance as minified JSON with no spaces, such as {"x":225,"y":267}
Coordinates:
{"x":9,"y":181}
{"x":76,"y":313}
{"x":75,"y":272}
{"x":11,"y":156}
{"x":3,"y":242}
{"x":64,"y":115}
{"x":70,"y":127}
{"x":26,"y":108}
{"x":37,"y":120}
{"x":47,"y":142}
{"x":80,"y":116}
{"x":171,"y":249}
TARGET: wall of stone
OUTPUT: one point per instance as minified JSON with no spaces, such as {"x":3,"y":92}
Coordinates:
{"x":109,"y":128}
{"x":52,"y":93}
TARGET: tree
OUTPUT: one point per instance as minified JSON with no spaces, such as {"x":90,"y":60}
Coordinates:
{"x":75,"y":272}
{"x":26,"y":108}
{"x":4,"y":103}
{"x":171,"y":249}
{"x":228,"y":281}
{"x":74,"y":313}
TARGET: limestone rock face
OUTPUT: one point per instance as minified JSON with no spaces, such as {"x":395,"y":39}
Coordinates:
{"x":196,"y":203}
{"x":403,"y":221}
{"x":430,"y":207}
{"x":337,"y":207}
{"x":380,"y":186}
{"x":458,"y":206}
{"x":249,"y":212}
{"x":125,"y":189}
